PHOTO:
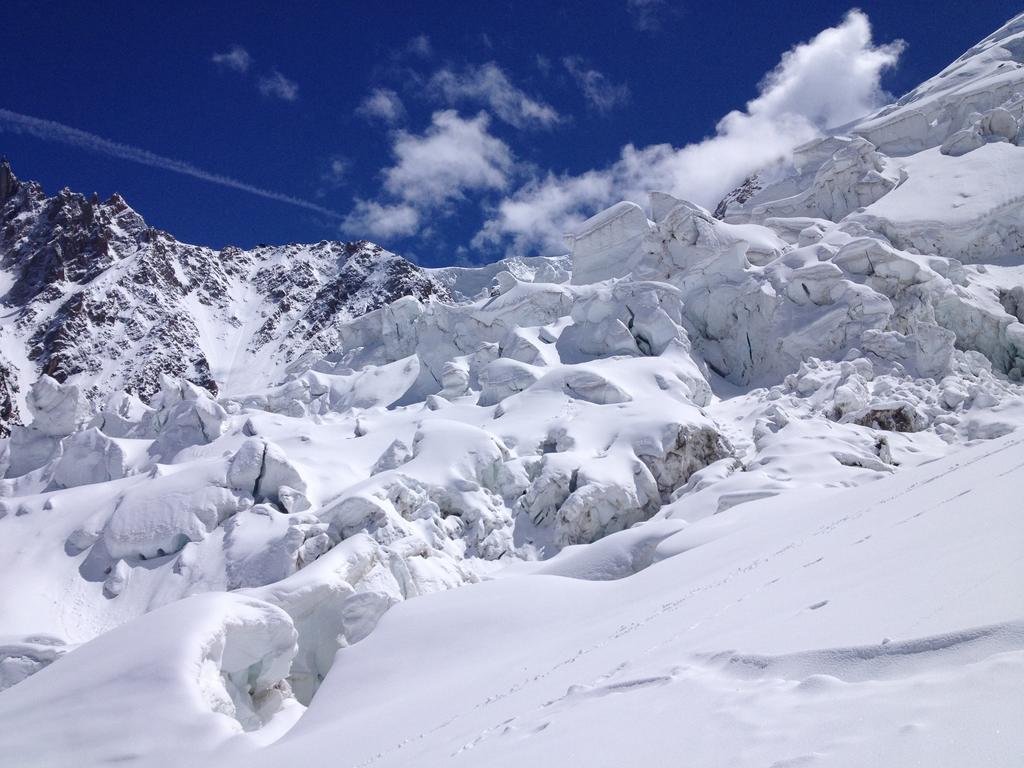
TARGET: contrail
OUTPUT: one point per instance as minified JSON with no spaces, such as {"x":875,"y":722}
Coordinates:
{"x":48,"y":130}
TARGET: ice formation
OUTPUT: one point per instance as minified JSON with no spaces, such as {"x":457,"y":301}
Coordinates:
{"x":693,"y":407}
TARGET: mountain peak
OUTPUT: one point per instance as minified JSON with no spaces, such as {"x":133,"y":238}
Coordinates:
{"x":105,"y":300}
{"x":8,"y":181}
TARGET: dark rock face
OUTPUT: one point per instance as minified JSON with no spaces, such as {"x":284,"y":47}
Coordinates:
{"x":8,"y":399}
{"x":8,"y":181}
{"x":898,"y":418}
{"x":750,"y":187}
{"x":96,"y":295}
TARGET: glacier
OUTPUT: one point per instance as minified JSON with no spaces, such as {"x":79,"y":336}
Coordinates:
{"x":717,"y":486}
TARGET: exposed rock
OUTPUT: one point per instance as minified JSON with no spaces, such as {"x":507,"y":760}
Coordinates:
{"x":102,"y":300}
{"x":899,"y":417}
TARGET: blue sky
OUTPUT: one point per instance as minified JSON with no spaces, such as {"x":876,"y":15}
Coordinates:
{"x":448,"y":131}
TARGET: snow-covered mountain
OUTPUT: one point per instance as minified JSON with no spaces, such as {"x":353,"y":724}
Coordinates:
{"x":95,"y":296}
{"x":718,"y":488}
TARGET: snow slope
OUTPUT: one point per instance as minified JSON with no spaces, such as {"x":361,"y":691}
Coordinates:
{"x":882,"y":624}
{"x":737,"y":487}
{"x":867,"y":626}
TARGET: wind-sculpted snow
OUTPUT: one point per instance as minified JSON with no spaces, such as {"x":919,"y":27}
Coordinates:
{"x":784,"y":426}
{"x":219,"y":661}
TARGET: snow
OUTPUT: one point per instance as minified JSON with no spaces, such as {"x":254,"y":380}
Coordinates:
{"x":969,"y":207}
{"x":608,"y":244}
{"x":863,"y":625}
{"x":215,"y":659}
{"x":472,"y":282}
{"x":983,"y":78}
{"x":738,"y":490}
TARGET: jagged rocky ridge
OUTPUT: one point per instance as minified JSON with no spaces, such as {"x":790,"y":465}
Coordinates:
{"x":841,"y":316}
{"x":95,"y":296}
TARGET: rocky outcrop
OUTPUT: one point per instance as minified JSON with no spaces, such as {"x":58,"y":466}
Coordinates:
{"x":99,"y":298}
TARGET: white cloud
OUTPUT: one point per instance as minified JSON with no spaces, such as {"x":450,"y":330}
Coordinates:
{"x":420,"y":46}
{"x":334,"y":174}
{"x":541,"y":211}
{"x":827,"y":81}
{"x":338,"y":168}
{"x":236,"y":59}
{"x":455,"y":155}
{"x":275,"y":84}
{"x":830,"y":80}
{"x":452,"y":156}
{"x":372,"y":219}
{"x":488,"y":84}
{"x":646,"y":14}
{"x":600,"y":93}
{"x":278,"y":86}
{"x":382,"y":104}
